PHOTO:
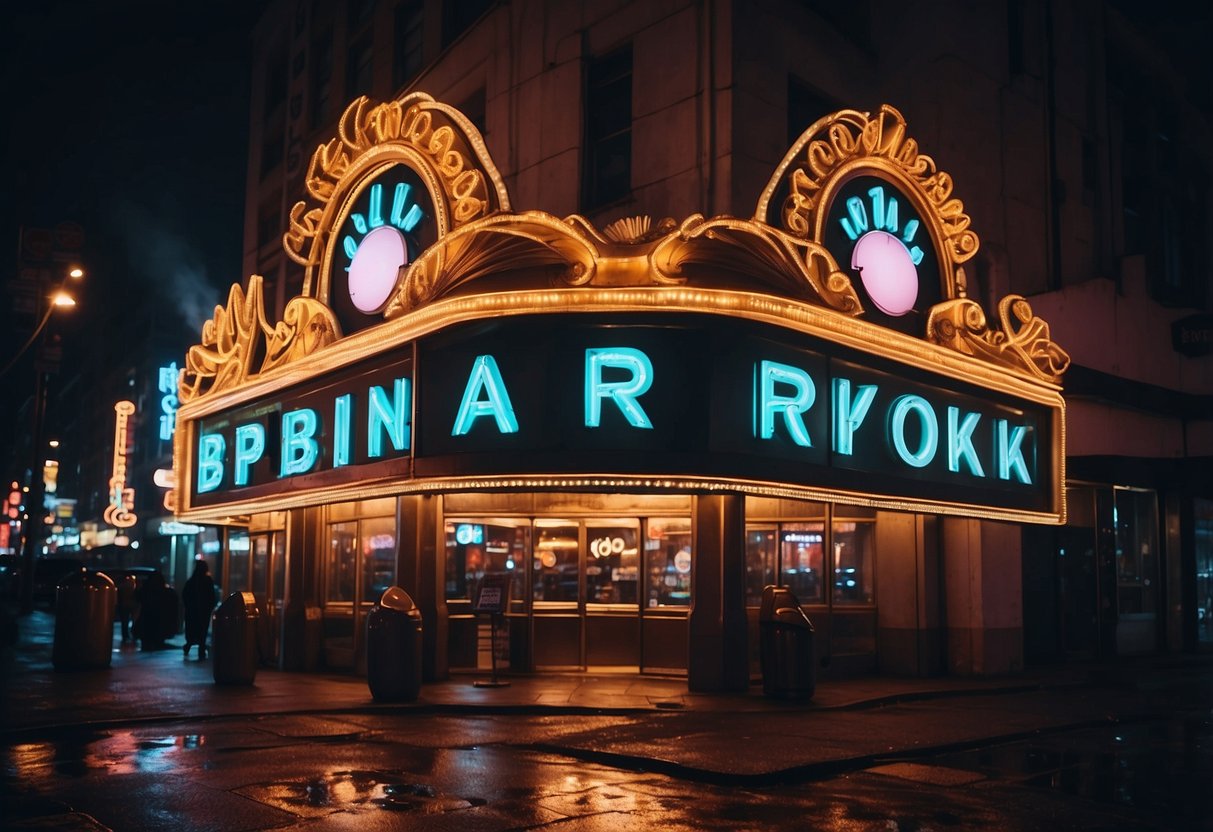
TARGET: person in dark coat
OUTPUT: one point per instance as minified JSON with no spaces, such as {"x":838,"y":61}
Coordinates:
{"x":198,"y":595}
{"x":157,"y":613}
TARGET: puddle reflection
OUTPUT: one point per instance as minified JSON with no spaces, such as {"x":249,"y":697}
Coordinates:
{"x":120,"y":752}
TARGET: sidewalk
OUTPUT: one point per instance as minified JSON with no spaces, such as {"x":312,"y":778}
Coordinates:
{"x":142,"y":686}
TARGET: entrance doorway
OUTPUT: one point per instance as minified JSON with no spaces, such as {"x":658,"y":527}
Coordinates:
{"x":595,"y":593}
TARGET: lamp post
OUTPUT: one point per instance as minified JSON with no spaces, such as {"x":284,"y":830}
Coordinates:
{"x":34,"y":506}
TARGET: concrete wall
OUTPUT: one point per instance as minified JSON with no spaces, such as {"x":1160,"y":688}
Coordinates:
{"x":983,"y":596}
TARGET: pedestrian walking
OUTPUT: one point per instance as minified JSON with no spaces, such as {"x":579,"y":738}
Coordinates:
{"x":157,"y":613}
{"x":198,"y":596}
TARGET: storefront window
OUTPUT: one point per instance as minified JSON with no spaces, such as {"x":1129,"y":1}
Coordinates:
{"x":555,"y":574}
{"x":237,"y":560}
{"x":612,"y":564}
{"x":261,"y":560}
{"x":1135,"y":517}
{"x":802,"y":549}
{"x":378,"y":557}
{"x":475,"y":548}
{"x":340,"y":577}
{"x":670,"y":562}
{"x":760,"y":562}
{"x":1202,"y":512}
{"x":853,"y":573}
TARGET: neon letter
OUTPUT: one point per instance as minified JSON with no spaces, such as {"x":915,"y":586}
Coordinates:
{"x":485,"y":376}
{"x":930,"y":430}
{"x":960,"y":442}
{"x":210,"y":461}
{"x":381,"y":413}
{"x":299,"y":448}
{"x":341,"y":430}
{"x":772,"y":373}
{"x":250,"y":445}
{"x":848,"y":415}
{"x":623,"y":393}
{"x":1010,"y":451}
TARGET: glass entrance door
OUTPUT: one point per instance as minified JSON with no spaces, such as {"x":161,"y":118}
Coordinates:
{"x":556,"y":594}
{"x":611,"y":566}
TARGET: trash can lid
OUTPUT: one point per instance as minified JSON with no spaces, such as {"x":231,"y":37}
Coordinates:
{"x":238,"y":603}
{"x":794,"y":616}
{"x":86,"y":578}
{"x":395,"y":598}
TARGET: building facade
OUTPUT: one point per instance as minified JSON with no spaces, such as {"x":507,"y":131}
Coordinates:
{"x":1076,"y":144}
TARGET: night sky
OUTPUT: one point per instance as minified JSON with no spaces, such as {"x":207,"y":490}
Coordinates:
{"x":131,"y":118}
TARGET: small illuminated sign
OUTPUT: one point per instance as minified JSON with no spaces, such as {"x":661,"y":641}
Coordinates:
{"x":167,"y":386}
{"x":121,"y":509}
{"x":168,"y":528}
{"x":467,"y":533}
{"x":874,"y":229}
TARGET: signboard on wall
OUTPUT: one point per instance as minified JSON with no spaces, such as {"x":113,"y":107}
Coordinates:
{"x":696,"y":397}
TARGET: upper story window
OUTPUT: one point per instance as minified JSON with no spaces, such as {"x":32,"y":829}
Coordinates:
{"x":607,"y":163}
{"x":408,"y":43}
{"x":322,"y":78}
{"x":805,"y":106}
{"x":1164,"y":190}
{"x":275,"y":84}
{"x":359,"y":74}
{"x":458,"y":15}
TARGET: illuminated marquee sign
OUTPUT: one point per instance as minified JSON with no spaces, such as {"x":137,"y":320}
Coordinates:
{"x":120,"y":511}
{"x":167,"y":387}
{"x":668,"y":395}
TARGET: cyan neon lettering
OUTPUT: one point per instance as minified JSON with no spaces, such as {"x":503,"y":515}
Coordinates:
{"x":928,"y":443}
{"x":792,"y":407}
{"x":342,"y":408}
{"x":960,"y":442}
{"x":623,"y":393}
{"x":250,"y":445}
{"x":390,"y":417}
{"x":299,"y":447}
{"x":210,"y":461}
{"x":487,"y":378}
{"x":848,"y":414}
{"x":1009,"y":450}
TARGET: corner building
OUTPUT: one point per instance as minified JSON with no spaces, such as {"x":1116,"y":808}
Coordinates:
{"x":619,"y":352}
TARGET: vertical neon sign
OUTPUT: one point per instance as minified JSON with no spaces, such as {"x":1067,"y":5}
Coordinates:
{"x":120,"y":511}
{"x":168,"y":401}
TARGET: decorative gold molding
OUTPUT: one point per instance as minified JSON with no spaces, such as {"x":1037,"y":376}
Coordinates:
{"x":503,"y":242}
{"x":796,"y":267}
{"x":434,"y":139}
{"x":230,"y":343}
{"x":238,"y":334}
{"x":1022,"y":344}
{"x":849,"y":141}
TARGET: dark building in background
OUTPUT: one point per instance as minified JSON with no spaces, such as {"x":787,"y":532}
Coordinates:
{"x":1078,"y":133}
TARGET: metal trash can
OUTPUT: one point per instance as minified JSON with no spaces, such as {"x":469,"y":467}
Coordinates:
{"x":84,"y":621}
{"x":393,"y":647}
{"x":785,"y":645}
{"x":234,"y":640}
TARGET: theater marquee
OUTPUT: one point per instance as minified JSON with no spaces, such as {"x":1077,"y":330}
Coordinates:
{"x":445,"y":343}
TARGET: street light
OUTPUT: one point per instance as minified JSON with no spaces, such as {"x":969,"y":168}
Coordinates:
{"x":35,"y":507}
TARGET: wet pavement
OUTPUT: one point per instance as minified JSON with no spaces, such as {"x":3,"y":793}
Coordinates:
{"x":152,"y":742}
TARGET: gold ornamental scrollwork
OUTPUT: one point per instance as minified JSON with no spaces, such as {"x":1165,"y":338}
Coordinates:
{"x":850,"y":140}
{"x":503,"y":242}
{"x":797,"y":267}
{"x":237,"y":335}
{"x":436,"y":140}
{"x":1022,"y":343}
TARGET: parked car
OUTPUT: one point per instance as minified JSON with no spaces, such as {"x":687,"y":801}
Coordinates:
{"x":48,"y":572}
